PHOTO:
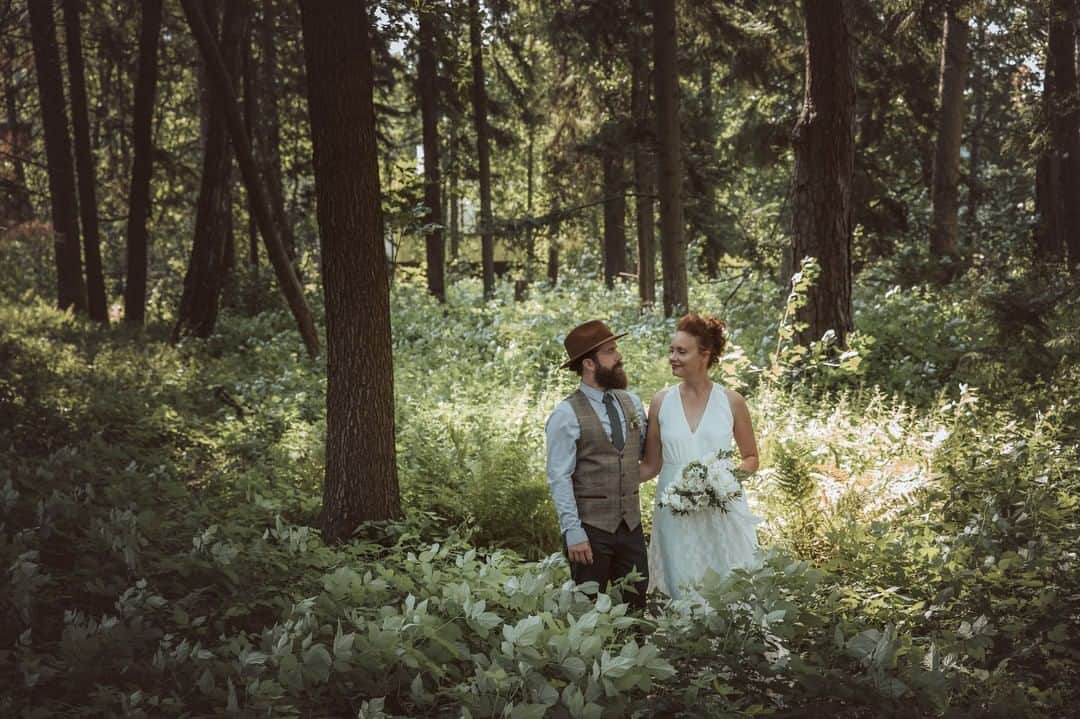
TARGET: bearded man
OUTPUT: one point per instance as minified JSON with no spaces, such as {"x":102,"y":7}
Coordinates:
{"x":594,"y":442}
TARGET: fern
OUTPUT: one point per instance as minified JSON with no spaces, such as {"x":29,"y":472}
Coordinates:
{"x":792,"y":474}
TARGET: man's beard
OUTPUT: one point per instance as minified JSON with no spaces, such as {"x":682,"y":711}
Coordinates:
{"x":613,"y":378}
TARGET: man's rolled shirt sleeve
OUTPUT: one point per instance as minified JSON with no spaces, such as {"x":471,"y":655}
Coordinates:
{"x":562,"y":433}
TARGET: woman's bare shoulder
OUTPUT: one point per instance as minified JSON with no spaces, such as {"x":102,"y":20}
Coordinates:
{"x":657,"y":398}
{"x":736,"y":399}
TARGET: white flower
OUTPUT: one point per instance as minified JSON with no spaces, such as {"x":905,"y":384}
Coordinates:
{"x":703,"y":486}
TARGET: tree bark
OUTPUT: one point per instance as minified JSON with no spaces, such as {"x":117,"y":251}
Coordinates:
{"x":479,"y":102}
{"x":530,"y":192}
{"x":614,"y":212}
{"x":672,"y":244}
{"x":1065,"y":124}
{"x":944,"y":230}
{"x":250,"y":110}
{"x":455,"y":199}
{"x":71,"y":290}
{"x":1049,"y":245}
{"x":553,"y":247}
{"x":271,"y":126}
{"x":17,"y":207}
{"x":227,"y":220}
{"x":11,"y":105}
{"x":208,"y":264}
{"x":644,"y":211}
{"x":429,"y":109}
{"x":361,"y":469}
{"x":707,"y":210}
{"x":978,"y":91}
{"x":142,"y":167}
{"x":824,"y":164}
{"x":275,"y":249}
{"x":84,"y":162}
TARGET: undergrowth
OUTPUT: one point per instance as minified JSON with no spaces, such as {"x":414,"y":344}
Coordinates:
{"x":156,"y":504}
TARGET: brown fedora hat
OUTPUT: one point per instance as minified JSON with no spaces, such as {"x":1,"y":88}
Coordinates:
{"x":586,"y":337}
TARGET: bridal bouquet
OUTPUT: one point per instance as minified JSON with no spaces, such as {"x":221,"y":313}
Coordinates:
{"x":704,"y":485}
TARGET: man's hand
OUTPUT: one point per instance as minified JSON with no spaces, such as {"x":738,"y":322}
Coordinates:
{"x":580,"y":553}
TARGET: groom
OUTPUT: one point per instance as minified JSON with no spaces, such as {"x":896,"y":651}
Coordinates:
{"x":594,"y":441}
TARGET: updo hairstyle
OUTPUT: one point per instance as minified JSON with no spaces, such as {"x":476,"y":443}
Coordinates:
{"x":709,"y":331}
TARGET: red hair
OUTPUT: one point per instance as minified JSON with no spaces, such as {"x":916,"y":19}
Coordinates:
{"x":710,"y":333}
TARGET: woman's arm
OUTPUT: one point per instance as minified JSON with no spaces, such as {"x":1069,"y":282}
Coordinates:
{"x":653,"y":460}
{"x":744,"y":432}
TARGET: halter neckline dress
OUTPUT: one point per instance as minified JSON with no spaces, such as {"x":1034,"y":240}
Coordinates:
{"x":683,"y":547}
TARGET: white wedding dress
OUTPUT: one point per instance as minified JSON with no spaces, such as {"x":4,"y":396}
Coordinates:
{"x":684,"y":546}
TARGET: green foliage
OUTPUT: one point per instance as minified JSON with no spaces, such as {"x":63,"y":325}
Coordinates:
{"x":156,"y":503}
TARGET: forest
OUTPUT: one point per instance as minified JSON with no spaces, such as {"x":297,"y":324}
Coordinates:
{"x":284,"y":289}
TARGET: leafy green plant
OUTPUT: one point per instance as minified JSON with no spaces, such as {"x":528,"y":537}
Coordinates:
{"x":156,"y":506}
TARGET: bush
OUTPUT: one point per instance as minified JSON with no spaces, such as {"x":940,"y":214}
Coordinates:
{"x":155,"y":505}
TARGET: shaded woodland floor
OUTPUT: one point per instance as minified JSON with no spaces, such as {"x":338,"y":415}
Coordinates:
{"x":157,"y":503}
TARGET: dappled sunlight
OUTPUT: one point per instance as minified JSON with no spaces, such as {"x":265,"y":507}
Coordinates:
{"x":886,"y":514}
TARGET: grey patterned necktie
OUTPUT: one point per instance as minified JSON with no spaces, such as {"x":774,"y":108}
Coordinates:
{"x":617,"y":438}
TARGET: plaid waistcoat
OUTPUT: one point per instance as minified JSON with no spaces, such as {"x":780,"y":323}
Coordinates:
{"x":606,"y":479}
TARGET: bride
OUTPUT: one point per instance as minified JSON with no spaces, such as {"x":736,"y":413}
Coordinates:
{"x":690,"y":422}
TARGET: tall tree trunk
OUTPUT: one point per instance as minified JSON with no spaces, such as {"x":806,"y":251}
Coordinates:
{"x":1049,"y":244}
{"x":106,"y":70}
{"x":429,"y":109}
{"x":455,"y":198}
{"x":530,"y":191}
{"x":707,"y":211}
{"x":142,"y":169}
{"x":614,"y":212}
{"x":250,"y":110}
{"x":361,"y":469}
{"x":11,"y":105}
{"x":1065,"y":122}
{"x":644,"y":211}
{"x":944,"y":229}
{"x":211,"y":10}
{"x":17,"y":207}
{"x":207,"y":265}
{"x":228,"y":263}
{"x":84,"y":161}
{"x":672,"y":244}
{"x":479,"y":102}
{"x":271,"y":125}
{"x":1049,"y":201}
{"x":553,"y":259}
{"x":275,"y":249}
{"x":978,"y":91}
{"x":553,"y":246}
{"x":71,"y":290}
{"x":824,"y":164}
{"x":235,"y":64}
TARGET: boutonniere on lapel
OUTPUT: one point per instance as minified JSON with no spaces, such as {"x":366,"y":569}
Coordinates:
{"x":635,"y":420}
